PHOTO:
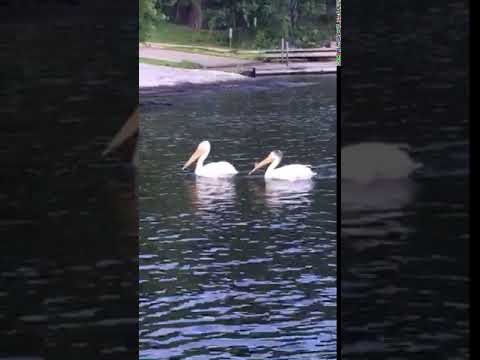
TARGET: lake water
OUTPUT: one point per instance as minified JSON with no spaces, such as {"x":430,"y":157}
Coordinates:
{"x":238,"y":268}
{"x":68,"y":228}
{"x":405,"y":247}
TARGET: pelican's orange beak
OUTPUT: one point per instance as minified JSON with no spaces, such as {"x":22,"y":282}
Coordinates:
{"x":193,"y":158}
{"x":127,"y":130}
{"x":261,"y":164}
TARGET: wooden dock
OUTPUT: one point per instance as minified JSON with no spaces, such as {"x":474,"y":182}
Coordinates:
{"x":293,"y":69}
{"x":308,"y":50}
{"x":309,"y":56}
{"x":296,"y":55}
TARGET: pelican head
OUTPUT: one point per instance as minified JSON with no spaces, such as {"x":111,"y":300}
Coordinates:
{"x":202,"y":148}
{"x":275,"y":155}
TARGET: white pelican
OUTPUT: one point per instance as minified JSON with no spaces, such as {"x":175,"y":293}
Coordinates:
{"x":213,"y":170}
{"x":365,"y":163}
{"x":288,"y":172}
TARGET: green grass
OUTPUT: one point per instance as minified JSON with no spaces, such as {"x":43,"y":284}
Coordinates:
{"x":165,"y":32}
{"x":183,"y":35}
{"x":216,"y":42}
{"x":182,"y":64}
{"x":214,"y":52}
{"x":182,"y":38}
{"x":169,"y":33}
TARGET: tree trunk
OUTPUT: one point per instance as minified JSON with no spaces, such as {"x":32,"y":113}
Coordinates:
{"x":293,"y":13}
{"x":234,"y":19}
{"x":331,"y":7}
{"x":195,"y":16}
{"x":182,"y":13}
{"x":178,"y":14}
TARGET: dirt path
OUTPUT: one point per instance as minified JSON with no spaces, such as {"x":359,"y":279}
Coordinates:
{"x":206,"y":61}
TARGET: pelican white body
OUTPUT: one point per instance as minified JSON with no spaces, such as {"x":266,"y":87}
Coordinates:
{"x":291,"y":172}
{"x":368,"y":162}
{"x":219,"y":169}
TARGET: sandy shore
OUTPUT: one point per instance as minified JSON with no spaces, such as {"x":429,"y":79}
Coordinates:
{"x":154,"y":76}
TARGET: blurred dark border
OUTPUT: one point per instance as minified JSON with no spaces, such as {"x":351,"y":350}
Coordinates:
{"x":407,"y":62}
{"x":68,"y":215}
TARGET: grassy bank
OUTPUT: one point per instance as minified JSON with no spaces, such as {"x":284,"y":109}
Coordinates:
{"x":182,"y":64}
{"x":214,"y":43}
{"x":238,"y":54}
{"x":177,"y":34}
{"x":182,"y":35}
{"x":169,"y":33}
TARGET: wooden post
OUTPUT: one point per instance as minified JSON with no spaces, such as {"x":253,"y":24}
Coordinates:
{"x":230,"y":35}
{"x":287,"y":51}
{"x":283,"y":48}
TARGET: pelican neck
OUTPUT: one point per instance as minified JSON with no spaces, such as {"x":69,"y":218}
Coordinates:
{"x":201,"y":159}
{"x":272,"y":166}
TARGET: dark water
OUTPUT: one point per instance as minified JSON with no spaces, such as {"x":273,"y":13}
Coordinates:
{"x":405,"y":257}
{"x":68,"y":227}
{"x":405,"y":251}
{"x":405,"y":246}
{"x":238,"y":268}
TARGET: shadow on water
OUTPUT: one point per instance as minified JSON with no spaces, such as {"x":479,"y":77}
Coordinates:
{"x":405,"y":247}
{"x":240,"y":267}
{"x":69,"y":226}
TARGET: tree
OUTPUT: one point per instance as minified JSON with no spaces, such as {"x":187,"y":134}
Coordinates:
{"x":195,"y":17}
{"x":186,"y":11}
{"x":302,"y":22}
{"x":147,"y":14}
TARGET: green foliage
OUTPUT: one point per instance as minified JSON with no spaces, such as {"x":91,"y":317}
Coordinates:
{"x":147,"y":17}
{"x":180,"y":34}
{"x":216,"y":19}
{"x":261,"y":40}
{"x":302,"y":22}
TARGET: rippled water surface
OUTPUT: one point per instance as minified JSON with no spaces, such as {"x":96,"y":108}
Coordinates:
{"x":239,"y":268}
{"x":405,"y":250}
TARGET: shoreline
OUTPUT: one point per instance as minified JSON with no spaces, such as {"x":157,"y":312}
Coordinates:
{"x":154,"y":76}
{"x":186,"y":89}
{"x":176,"y":81}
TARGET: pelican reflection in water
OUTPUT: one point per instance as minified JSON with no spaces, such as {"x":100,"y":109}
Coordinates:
{"x":211,"y":193}
{"x":376,"y":176}
{"x":376,"y":188}
{"x":285,"y":193}
{"x":384,"y":195}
